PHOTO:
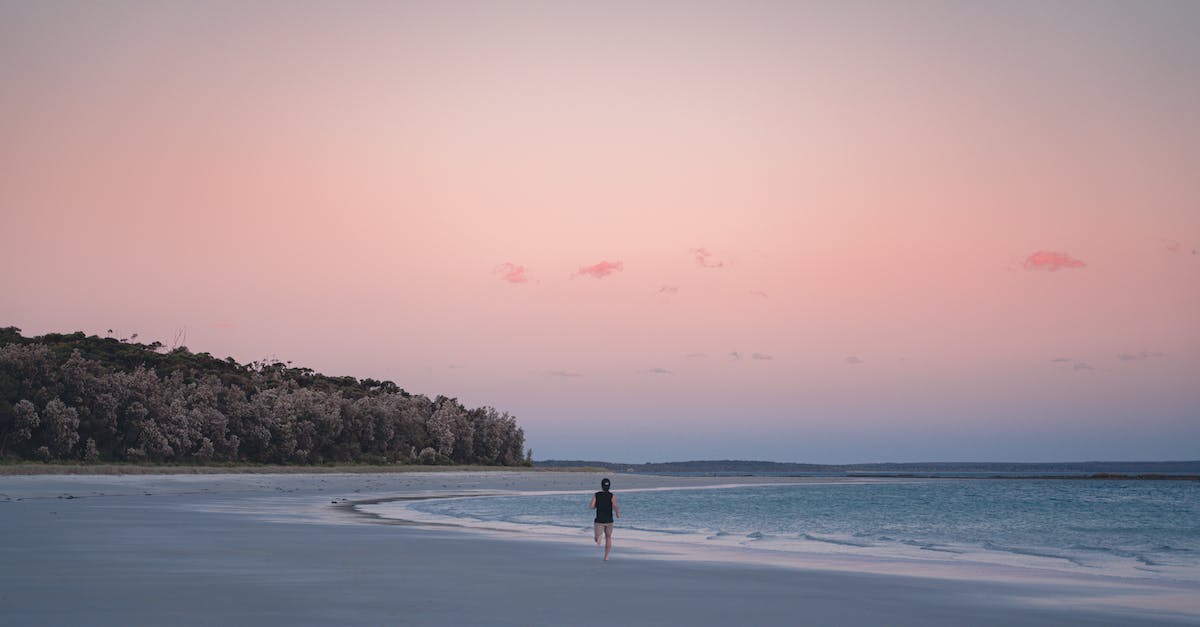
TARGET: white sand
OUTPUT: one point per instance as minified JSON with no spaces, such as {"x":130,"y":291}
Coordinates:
{"x":277,"y":550}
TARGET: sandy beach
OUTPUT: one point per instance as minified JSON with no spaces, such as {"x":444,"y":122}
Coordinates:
{"x":306,"y":550}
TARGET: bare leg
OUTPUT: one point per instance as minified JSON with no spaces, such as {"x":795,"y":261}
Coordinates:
{"x":607,"y":542}
{"x":597,"y":529}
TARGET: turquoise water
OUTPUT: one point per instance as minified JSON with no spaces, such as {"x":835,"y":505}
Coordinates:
{"x":1144,"y":526}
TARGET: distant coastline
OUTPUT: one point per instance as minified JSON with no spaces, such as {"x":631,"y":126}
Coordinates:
{"x":1146,"y":470}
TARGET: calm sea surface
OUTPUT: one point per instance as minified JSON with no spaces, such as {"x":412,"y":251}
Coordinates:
{"x":1135,"y":528}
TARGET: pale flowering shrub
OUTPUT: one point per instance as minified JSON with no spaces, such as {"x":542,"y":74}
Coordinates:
{"x":91,"y":454}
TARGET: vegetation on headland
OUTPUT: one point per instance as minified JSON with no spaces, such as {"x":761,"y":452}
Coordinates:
{"x":11,"y":468}
{"x":72,"y":398}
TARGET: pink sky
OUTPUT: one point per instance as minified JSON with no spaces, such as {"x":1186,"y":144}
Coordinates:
{"x":651,"y":231}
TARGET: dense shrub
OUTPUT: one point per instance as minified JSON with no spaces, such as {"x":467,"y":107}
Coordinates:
{"x":77,"y":397}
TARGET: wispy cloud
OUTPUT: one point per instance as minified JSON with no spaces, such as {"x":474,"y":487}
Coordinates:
{"x":1051,"y":261}
{"x":667,"y":289}
{"x":1073,"y":364}
{"x":564,"y":373}
{"x":1138,"y":356}
{"x":601,"y":270}
{"x":759,"y":293}
{"x":697,"y":355}
{"x":761,"y":356}
{"x":853,"y":360}
{"x":1176,"y":247}
{"x":659,"y":371}
{"x":735,"y":355}
{"x":511,"y":272}
{"x":705,"y":258}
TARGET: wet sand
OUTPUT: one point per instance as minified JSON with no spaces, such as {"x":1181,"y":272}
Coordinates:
{"x":295,"y":550}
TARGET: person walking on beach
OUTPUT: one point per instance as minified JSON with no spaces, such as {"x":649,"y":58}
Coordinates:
{"x":605,"y":504}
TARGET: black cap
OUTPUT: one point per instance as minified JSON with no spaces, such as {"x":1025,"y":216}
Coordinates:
{"x":604,"y":483}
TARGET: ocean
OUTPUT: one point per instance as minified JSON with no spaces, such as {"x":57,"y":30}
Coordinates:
{"x":1131,"y":528}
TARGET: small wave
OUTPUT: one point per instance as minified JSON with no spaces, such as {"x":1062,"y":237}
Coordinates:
{"x":533,"y":520}
{"x":930,"y":546}
{"x":1031,"y":552}
{"x":1102,"y":549}
{"x":942,"y":549}
{"x":1166,"y":548}
{"x":546,"y":523}
{"x":1117,"y":552}
{"x":838,"y":541}
{"x":756,"y":535}
{"x":674,"y":532}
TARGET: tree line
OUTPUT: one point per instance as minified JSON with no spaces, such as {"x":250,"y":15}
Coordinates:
{"x":71,"y":397}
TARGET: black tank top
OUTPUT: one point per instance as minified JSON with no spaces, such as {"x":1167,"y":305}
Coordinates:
{"x":604,"y":507}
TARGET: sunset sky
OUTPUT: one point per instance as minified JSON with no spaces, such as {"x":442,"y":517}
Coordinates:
{"x":796,"y":231}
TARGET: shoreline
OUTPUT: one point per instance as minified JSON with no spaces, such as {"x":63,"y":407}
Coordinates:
{"x":822,"y":553}
{"x":284,"y":549}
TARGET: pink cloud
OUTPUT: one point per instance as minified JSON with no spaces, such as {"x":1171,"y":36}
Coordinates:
{"x":1051,"y":261}
{"x":602,"y":269}
{"x":704,"y":258}
{"x":512,"y":273}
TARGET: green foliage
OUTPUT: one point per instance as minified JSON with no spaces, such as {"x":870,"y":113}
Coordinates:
{"x":74,"y":397}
